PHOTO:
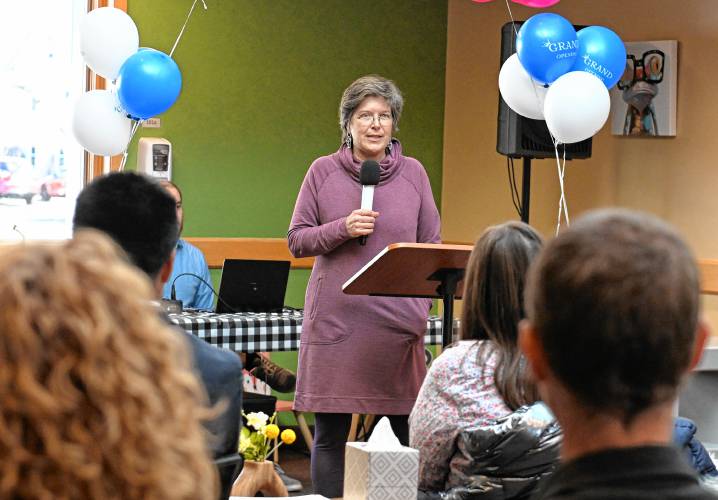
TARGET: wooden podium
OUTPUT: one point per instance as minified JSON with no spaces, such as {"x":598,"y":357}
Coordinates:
{"x":416,"y":270}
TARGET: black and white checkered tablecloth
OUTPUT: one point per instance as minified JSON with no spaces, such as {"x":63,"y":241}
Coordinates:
{"x":262,"y":332}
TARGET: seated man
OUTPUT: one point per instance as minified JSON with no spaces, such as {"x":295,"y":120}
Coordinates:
{"x":195,"y":292}
{"x":613,"y":329}
{"x":140,"y":216}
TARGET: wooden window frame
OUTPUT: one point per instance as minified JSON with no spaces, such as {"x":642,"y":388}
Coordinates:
{"x":94,"y":165}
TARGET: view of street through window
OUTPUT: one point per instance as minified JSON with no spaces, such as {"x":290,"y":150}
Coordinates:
{"x":41,"y":76}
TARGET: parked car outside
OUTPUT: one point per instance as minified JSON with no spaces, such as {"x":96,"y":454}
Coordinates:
{"x":52,"y":186}
{"x":19,"y":179}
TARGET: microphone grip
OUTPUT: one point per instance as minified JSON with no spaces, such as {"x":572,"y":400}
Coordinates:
{"x":367,"y":200}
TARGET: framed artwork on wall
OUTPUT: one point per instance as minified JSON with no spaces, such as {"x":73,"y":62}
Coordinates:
{"x":643,"y":102}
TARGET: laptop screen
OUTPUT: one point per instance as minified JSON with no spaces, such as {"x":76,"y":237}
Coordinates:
{"x":252,"y":285}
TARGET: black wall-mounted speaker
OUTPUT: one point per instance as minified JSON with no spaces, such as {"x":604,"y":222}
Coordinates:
{"x":521,"y":137}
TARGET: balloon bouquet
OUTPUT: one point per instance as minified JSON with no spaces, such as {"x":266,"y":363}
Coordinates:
{"x":146,"y":82}
{"x":562,"y":76}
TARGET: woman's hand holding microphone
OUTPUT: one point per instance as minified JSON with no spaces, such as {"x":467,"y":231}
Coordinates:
{"x":361,"y":222}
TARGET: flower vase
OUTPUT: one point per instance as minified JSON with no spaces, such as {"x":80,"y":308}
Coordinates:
{"x":259,"y":477}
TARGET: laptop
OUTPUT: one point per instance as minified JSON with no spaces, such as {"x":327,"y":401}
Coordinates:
{"x":252,"y":285}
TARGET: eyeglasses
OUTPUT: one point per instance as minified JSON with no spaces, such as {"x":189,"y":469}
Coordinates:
{"x":649,"y":68}
{"x":366,"y":118}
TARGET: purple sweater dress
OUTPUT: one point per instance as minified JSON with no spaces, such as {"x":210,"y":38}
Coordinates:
{"x":360,"y":354}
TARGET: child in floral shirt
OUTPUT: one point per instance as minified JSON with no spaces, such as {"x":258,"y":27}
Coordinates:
{"x":483,"y":377}
{"x":457,"y":393}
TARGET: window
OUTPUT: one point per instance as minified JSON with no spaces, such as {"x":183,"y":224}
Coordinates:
{"x":41,"y":76}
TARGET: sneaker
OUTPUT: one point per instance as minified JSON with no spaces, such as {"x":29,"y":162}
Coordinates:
{"x":278,"y":378}
{"x":292,"y":485}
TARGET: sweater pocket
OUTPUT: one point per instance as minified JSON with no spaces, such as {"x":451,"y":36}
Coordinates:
{"x":323,"y":322}
{"x":313,"y":297}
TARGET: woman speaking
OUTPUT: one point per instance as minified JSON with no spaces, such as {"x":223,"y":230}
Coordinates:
{"x":359,"y":354}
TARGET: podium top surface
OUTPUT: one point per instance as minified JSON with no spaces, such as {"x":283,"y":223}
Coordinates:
{"x":404,"y":269}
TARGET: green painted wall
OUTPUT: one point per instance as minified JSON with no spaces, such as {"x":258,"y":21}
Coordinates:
{"x":261,"y":87}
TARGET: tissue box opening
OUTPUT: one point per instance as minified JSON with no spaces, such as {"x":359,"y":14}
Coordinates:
{"x":380,"y":475}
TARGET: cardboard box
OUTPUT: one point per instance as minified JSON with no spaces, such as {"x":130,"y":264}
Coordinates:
{"x":380,"y":475}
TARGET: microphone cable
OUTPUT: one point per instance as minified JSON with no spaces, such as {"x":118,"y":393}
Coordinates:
{"x":173,"y":291}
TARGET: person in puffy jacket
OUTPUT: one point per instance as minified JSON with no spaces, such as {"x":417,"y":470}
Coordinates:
{"x":684,"y":435}
{"x":475,"y":420}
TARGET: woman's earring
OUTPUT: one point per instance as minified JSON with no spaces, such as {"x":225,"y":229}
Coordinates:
{"x":389,"y":146}
{"x":348,"y":140}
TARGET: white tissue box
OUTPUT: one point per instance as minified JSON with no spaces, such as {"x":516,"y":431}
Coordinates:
{"x":380,"y":475}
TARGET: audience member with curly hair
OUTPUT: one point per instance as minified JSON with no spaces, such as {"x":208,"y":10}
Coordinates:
{"x":98,"y":400}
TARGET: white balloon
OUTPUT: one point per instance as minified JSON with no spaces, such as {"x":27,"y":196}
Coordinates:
{"x":108,"y":36}
{"x":521,"y":93}
{"x":576,"y":106}
{"x":99,"y":124}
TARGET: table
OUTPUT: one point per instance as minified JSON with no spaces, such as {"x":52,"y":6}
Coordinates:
{"x":262,"y":332}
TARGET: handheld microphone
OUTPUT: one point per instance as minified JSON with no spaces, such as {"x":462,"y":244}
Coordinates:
{"x":369,"y":177}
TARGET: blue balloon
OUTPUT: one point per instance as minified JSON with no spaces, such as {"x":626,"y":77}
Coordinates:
{"x":149,"y":83}
{"x":602,"y":53}
{"x":547,"y":46}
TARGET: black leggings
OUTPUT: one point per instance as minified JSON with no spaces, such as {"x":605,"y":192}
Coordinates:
{"x":330,"y":436}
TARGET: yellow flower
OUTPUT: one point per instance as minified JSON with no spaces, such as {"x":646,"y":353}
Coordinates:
{"x":257,"y":420}
{"x":288,"y":436}
{"x":271,"y":431}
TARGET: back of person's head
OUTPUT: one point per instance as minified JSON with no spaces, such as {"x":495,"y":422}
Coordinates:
{"x":493,"y":304}
{"x":614,"y":304}
{"x":98,"y":400}
{"x":137,"y":212}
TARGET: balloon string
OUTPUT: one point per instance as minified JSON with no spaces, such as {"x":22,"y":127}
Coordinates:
{"x":562,"y":200}
{"x":186,"y":21}
{"x":563,"y":194}
{"x":513,"y":23}
{"x":516,"y":33}
{"x":135,"y":126}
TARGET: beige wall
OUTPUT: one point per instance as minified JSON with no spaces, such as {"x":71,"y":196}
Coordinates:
{"x":674,"y":178}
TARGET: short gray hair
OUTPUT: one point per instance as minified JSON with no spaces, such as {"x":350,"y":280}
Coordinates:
{"x":369,"y":86}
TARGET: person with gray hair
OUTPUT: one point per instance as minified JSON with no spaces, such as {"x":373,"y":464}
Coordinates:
{"x":359,"y":354}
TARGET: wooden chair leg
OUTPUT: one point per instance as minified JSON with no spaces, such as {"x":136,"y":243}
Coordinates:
{"x":368,"y":422}
{"x":304,"y":429}
{"x":360,"y":422}
{"x":353,"y":429}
